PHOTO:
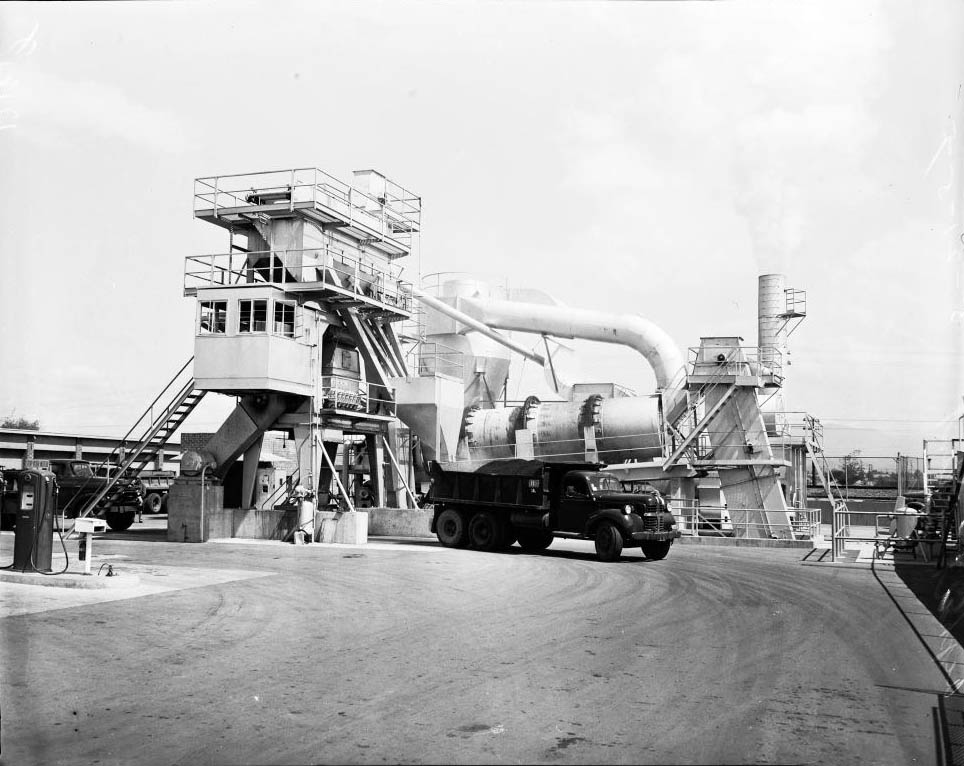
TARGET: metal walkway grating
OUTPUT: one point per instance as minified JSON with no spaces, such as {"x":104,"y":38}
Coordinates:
{"x":952,"y":728}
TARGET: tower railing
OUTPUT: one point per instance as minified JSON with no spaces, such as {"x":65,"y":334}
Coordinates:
{"x":397,"y":214}
{"x":324,"y":267}
{"x":429,"y":358}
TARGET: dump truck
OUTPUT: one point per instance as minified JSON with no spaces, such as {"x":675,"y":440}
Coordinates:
{"x":156,"y":486}
{"x":532,"y":502}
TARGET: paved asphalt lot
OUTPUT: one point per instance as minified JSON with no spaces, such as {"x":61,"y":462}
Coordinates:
{"x":403,"y":651}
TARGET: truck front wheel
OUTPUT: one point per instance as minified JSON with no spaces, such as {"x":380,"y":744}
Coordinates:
{"x":609,"y":542}
{"x":656,"y":550}
{"x":485,"y":531}
{"x":534,"y":539}
{"x":451,"y":529}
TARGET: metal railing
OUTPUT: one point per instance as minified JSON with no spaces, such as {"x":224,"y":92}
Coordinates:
{"x":281,"y":494}
{"x":322,"y":267}
{"x":694,"y":519}
{"x":796,"y":302}
{"x":852,"y":527}
{"x":396,"y":215}
{"x":429,"y":358}
{"x":338,"y":392}
{"x":738,"y":360}
{"x":497,"y":285}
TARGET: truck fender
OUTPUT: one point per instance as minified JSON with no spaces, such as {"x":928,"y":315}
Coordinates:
{"x":615,"y":515}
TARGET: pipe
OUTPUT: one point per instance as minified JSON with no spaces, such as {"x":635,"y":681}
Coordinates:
{"x":398,"y":470}
{"x":203,"y":470}
{"x":631,"y":330}
{"x":476,"y":325}
{"x":334,"y":473}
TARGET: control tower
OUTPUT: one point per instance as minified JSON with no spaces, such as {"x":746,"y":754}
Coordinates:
{"x":297,"y":318}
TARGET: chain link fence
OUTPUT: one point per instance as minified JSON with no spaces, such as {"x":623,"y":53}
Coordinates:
{"x":867,"y":476}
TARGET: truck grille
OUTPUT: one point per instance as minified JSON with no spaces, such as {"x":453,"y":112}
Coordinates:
{"x":655,"y":523}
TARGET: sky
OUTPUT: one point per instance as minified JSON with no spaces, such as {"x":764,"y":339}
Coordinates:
{"x":650,"y":158}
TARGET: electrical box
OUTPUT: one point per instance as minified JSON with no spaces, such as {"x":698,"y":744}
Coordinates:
{"x":37,"y":504}
{"x":87,"y":525}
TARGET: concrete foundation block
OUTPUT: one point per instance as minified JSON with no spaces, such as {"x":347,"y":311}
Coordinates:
{"x":399,"y":522}
{"x":268,"y":524}
{"x":189,"y":513}
{"x":346,"y":528}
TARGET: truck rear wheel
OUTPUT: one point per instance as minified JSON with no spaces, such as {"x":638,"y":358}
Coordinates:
{"x":656,"y":550}
{"x":451,"y":529}
{"x":118,"y":521}
{"x":486,"y":531}
{"x":534,"y":539}
{"x":152,"y":503}
{"x":609,"y":542}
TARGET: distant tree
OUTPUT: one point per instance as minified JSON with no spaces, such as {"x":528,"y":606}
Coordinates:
{"x":22,"y":423}
{"x":853,"y":468}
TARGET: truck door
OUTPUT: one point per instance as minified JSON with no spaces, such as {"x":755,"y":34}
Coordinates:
{"x":575,"y":504}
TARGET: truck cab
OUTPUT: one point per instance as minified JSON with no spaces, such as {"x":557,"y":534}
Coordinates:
{"x":591,"y":501}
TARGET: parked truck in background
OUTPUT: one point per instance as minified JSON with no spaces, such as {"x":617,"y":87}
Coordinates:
{"x":77,"y":483}
{"x":531,"y":502}
{"x":156,"y":486}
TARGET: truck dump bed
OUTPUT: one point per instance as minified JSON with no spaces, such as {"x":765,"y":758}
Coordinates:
{"x":513,"y":483}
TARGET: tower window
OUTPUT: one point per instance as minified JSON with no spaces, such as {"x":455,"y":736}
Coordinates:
{"x":253,"y":316}
{"x":214,"y":317}
{"x":284,"y":318}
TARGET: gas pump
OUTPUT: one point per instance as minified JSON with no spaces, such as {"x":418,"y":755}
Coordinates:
{"x":35,"y":521}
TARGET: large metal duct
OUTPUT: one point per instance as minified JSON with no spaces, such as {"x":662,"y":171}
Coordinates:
{"x":630,"y":330}
{"x":656,"y":346}
{"x":623,"y":428}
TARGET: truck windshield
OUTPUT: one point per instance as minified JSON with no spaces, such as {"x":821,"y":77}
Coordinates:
{"x":602,"y":483}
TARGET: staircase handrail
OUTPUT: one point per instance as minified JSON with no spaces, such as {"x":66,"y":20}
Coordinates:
{"x":950,"y":513}
{"x":155,"y":426}
{"x":286,"y":489}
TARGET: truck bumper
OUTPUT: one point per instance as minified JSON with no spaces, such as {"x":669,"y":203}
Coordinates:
{"x":643,"y":537}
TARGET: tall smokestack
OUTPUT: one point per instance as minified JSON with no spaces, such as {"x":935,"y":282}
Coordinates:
{"x":771,"y":322}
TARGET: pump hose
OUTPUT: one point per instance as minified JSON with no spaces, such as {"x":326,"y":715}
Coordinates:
{"x":33,"y":553}
{"x":33,"y":550}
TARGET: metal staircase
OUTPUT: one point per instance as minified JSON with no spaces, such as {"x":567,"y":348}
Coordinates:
{"x":943,"y":477}
{"x":840,"y":513}
{"x":161,"y":423}
{"x":814,"y":443}
{"x":283,"y":495}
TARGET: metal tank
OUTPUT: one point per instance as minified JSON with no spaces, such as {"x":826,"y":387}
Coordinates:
{"x":484,"y":362}
{"x":623,"y":428}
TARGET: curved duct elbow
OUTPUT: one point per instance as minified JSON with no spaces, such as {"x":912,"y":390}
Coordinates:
{"x":631,"y":330}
